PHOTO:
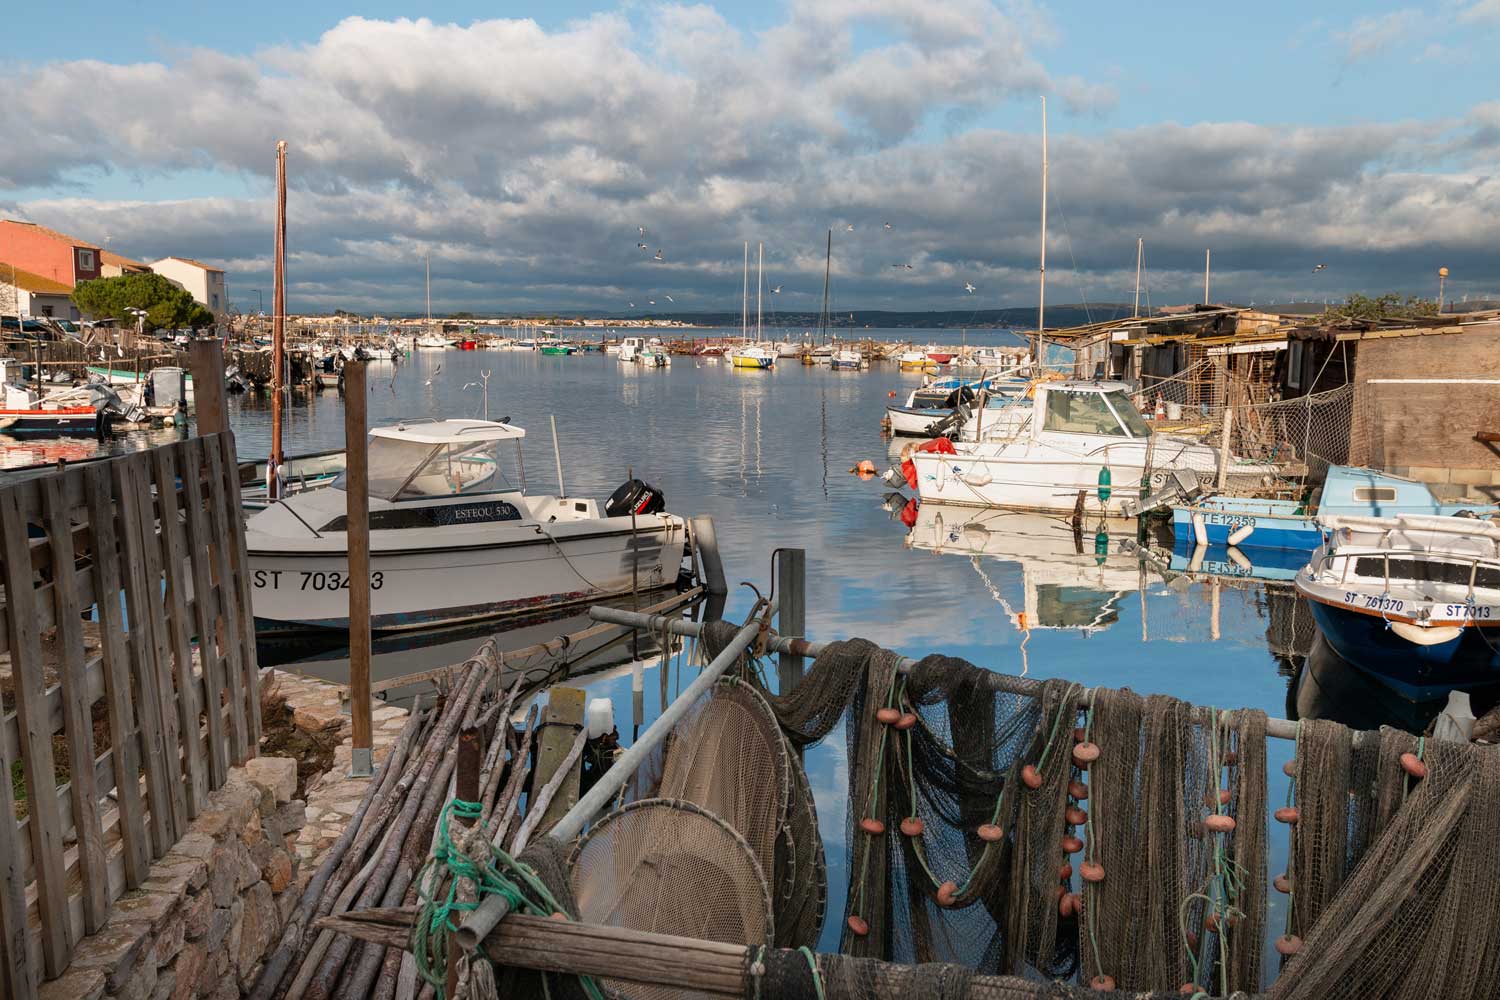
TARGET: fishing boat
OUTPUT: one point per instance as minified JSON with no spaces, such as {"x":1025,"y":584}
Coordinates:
{"x":1413,"y":600}
{"x":847,"y":360}
{"x":936,"y":400}
{"x":1249,"y":522}
{"x":1077,"y":439}
{"x":630,"y":348}
{"x":790,"y":348}
{"x":433,"y":342}
{"x":916,"y":361}
{"x":122,"y":376}
{"x":653,"y":355}
{"x":753,"y":356}
{"x":453,"y":540}
{"x":558,"y":348}
{"x":937,"y":356}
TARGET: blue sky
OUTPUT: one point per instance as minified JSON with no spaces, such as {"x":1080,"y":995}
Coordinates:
{"x":1273,"y":132}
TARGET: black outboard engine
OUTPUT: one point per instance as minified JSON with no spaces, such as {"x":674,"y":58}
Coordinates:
{"x":963,"y":394}
{"x":635,"y":497}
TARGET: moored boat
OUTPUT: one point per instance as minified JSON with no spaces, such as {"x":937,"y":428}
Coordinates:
{"x":453,"y":539}
{"x":753,"y":356}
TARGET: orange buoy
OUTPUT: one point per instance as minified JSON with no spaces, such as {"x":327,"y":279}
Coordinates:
{"x":858,"y":925}
{"x":1219,"y":823}
{"x":1192,"y":940}
{"x":1211,"y":922}
{"x":559,"y":916}
{"x":906,"y":721}
{"x":1287,"y":814}
{"x":1065,"y":871}
{"x":1222,"y":798}
{"x":1078,"y":790}
{"x":1282,"y":882}
{"x":1288,"y":944}
{"x":1031,"y":777}
{"x":990,"y":833}
{"x":1091,"y":871}
{"x":1071,"y":845}
{"x":1069,"y":904}
{"x":947,"y":894}
{"x":891,"y":394}
{"x":872,"y":826}
{"x":1075,"y":816}
{"x":1085,"y":754}
{"x":1188,"y":989}
{"x":887,"y":716}
{"x":912,"y":826}
{"x":1102,"y":983}
{"x":1290,"y":768}
{"x":1412,"y":765}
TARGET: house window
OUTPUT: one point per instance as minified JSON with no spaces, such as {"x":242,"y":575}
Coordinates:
{"x":215,"y":301}
{"x":85,"y":260}
{"x":46,"y":310}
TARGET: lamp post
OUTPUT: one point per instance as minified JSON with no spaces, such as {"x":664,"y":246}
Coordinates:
{"x":140,"y":322}
{"x":1442,"y":278}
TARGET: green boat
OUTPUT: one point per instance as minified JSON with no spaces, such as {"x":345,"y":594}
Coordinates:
{"x":558,"y":349}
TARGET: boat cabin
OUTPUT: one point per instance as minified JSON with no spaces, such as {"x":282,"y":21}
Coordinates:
{"x":1095,"y":409}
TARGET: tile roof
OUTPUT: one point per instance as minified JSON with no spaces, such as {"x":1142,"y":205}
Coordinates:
{"x":29,"y":282}
{"x":110,"y":257}
{"x":54,"y":234}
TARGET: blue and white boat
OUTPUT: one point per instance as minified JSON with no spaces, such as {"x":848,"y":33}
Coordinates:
{"x":1413,"y":600}
{"x":1292,"y":524}
{"x":931,"y":402}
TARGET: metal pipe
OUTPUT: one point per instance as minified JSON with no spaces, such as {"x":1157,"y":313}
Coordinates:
{"x":477,"y":926}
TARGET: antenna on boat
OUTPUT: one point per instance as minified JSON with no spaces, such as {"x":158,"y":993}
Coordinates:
{"x":827,"y":264}
{"x":557,"y":455}
{"x":485,"y":378}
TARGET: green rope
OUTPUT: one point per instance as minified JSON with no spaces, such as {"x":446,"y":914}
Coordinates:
{"x":500,"y":875}
{"x":812,"y":963}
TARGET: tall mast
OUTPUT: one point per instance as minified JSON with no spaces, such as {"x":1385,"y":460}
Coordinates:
{"x":745,"y":297}
{"x":1139,"y":249}
{"x":827,"y":263}
{"x":1207,"y":255}
{"x":429,"y":291}
{"x":278,"y":326}
{"x":760,"y":264}
{"x":1041,"y":303}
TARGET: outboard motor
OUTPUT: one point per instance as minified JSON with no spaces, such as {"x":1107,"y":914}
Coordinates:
{"x":635,"y":497}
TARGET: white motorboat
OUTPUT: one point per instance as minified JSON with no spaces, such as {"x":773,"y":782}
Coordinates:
{"x":847,"y":360}
{"x":452,"y":540}
{"x":1413,"y":600}
{"x":653,"y":354}
{"x":433,"y":342}
{"x":790,"y":348}
{"x":630,"y":348}
{"x":1077,"y":437}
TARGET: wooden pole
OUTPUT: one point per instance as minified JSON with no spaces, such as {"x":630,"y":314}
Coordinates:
{"x":206,"y":358}
{"x":1224,"y":439}
{"x":357,"y":510}
{"x":791,"y":617}
{"x":278,"y":326}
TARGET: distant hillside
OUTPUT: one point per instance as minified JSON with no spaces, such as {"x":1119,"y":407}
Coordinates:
{"x":1023,"y":318}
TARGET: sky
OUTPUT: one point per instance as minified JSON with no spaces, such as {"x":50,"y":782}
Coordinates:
{"x":524,"y":146}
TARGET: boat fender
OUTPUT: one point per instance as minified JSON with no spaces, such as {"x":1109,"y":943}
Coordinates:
{"x":1240,"y":559}
{"x":1241,"y":533}
{"x":601,"y":717}
{"x":1104,"y":484}
{"x":980,"y":478}
{"x":1200,"y":529}
{"x":1101,"y":545}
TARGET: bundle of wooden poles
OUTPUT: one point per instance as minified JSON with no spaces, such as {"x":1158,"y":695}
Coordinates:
{"x":463,"y":745}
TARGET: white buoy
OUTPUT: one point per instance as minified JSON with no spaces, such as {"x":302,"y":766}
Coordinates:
{"x":1241,"y":533}
{"x":1200,"y":529}
{"x":601,"y":717}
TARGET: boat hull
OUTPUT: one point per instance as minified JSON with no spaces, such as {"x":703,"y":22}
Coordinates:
{"x":750,"y":361}
{"x":1274,"y":524}
{"x":908,"y":421}
{"x":75,"y":421}
{"x":118,"y":376}
{"x":445,"y":585}
{"x":1415,"y":671}
{"x":1023,"y":484}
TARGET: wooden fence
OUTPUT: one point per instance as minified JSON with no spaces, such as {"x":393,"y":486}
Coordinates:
{"x":147,"y":552}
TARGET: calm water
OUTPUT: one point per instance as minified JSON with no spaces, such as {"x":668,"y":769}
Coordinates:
{"x":767,"y":454}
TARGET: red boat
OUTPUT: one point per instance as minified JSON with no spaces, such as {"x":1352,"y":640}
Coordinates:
{"x":939,"y":357}
{"x":469,"y":345}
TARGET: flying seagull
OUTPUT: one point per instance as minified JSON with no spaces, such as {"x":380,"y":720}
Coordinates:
{"x":435,"y":373}
{"x":643,"y":246}
{"x":642,"y":229}
{"x":631,"y":304}
{"x":968,"y":288}
{"x":658,"y":255}
{"x":670,"y":299}
{"x":1319,"y":268}
{"x":650,"y":302}
{"x":887,"y":225}
{"x":776,"y":290}
{"x":849,"y":228}
{"x":907,"y":266}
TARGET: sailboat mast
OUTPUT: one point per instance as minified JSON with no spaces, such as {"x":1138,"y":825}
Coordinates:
{"x":1139,"y":249}
{"x":278,"y":326}
{"x":429,"y":293}
{"x":760,"y":266}
{"x":827,"y":264}
{"x":1041,"y":302}
{"x":745,"y":297}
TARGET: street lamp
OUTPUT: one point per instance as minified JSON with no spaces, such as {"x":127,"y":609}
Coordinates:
{"x":1442,"y":277}
{"x":140,"y":321}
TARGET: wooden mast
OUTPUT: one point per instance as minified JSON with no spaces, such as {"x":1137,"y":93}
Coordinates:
{"x":278,"y":328}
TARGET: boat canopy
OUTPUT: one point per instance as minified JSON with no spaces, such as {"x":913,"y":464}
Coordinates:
{"x":437,"y":458}
{"x":450,"y":431}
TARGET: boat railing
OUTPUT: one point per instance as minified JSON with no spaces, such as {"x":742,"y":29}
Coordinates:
{"x":1351,"y":558}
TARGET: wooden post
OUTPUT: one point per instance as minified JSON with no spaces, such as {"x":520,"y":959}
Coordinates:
{"x":357,"y":519}
{"x":791,"y":615}
{"x":564,"y":712}
{"x":206,"y":357}
{"x":1224,"y":439}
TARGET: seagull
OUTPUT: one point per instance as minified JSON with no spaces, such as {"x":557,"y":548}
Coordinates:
{"x":776,"y":290}
{"x":849,"y":228}
{"x":631,"y":304}
{"x":650,"y":302}
{"x":658,"y":255}
{"x":907,"y":266}
{"x":642,"y":246}
{"x":1319,"y":268}
{"x":435,"y":373}
{"x":887,"y":225}
{"x":468,"y":385}
{"x":642,"y":229}
{"x":670,"y":299}
{"x":968,"y":288}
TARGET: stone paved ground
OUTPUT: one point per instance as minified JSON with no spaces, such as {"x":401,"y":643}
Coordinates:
{"x":334,"y":797}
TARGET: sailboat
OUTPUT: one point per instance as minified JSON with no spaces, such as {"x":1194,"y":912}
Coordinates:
{"x":755,"y":355}
{"x":429,"y":340}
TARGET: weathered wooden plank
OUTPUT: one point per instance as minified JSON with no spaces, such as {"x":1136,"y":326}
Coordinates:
{"x":145,"y":697}
{"x":37,"y":763}
{"x":125,"y":737}
{"x":230,"y":645}
{"x":205,"y":609}
{"x":179,"y":625}
{"x":158,"y":664}
{"x":17,"y":971}
{"x":229,"y":475}
{"x":78,"y":723}
{"x":562,"y":719}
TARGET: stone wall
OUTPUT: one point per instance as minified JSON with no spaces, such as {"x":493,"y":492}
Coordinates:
{"x":213,"y":906}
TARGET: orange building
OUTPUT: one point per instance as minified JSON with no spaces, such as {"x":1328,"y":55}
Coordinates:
{"x":58,"y":256}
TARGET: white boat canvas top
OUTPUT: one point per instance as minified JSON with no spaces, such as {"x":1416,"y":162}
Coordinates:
{"x":457,"y":431}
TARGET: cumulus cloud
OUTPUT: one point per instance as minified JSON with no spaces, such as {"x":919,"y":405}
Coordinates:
{"x":1371,"y":35}
{"x":523,"y":159}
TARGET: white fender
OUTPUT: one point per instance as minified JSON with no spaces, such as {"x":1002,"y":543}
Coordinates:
{"x":1200,"y":530}
{"x":1241,"y":533}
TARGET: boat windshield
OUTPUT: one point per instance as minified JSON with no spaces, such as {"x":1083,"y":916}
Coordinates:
{"x":406,"y":470}
{"x":1128,"y":414}
{"x":1080,"y":413}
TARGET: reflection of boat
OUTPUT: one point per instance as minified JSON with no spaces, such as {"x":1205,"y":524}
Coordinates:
{"x":452,"y":540}
{"x":1079,"y":439}
{"x":1413,"y":600}
{"x":1325,"y":686}
{"x":1292,"y":524}
{"x":1071,"y":580}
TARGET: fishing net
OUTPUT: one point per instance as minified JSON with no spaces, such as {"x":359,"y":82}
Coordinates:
{"x":671,"y":868}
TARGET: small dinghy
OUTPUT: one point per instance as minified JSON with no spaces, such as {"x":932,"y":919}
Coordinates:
{"x":452,"y":540}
